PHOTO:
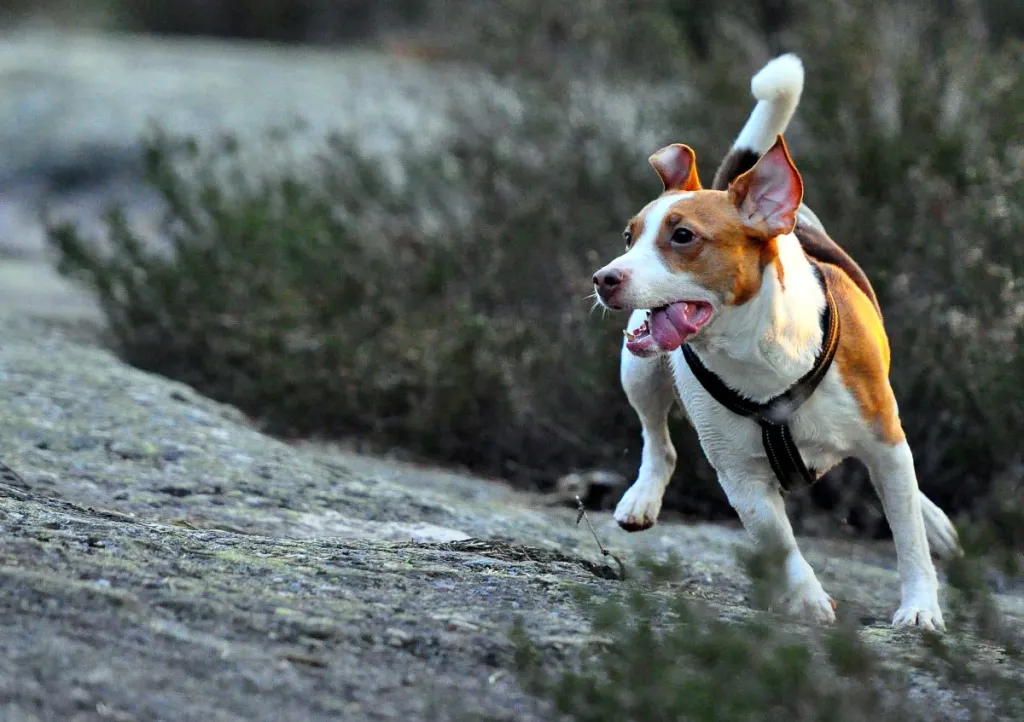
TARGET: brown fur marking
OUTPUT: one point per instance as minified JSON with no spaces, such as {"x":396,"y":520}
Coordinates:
{"x":863,"y":355}
{"x":635,"y":227}
{"x":725,"y":257}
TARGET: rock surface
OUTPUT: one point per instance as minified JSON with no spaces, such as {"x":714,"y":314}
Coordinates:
{"x":160,"y":558}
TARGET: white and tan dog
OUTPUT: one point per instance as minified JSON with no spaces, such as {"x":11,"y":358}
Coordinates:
{"x":739,"y":272}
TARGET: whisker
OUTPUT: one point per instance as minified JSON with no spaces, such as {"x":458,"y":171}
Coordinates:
{"x":597,"y":302}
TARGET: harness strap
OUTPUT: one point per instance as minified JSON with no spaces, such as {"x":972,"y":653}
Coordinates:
{"x":774,"y":415}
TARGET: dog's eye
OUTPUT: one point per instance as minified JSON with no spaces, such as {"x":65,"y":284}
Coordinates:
{"x":628,"y":238}
{"x":682,"y":236}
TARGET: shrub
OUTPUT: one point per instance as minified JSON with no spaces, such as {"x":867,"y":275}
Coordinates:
{"x":289,"y":21}
{"x":660,"y":654}
{"x":429,"y":315}
{"x":445,"y":313}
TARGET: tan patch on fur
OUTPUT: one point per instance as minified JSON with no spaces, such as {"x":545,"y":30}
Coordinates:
{"x":770,"y":257}
{"x":726,"y":257}
{"x":863,"y":355}
{"x":780,"y":272}
{"x":635,"y":227}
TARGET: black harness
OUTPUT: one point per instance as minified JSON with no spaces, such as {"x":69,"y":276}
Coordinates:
{"x":774,"y":414}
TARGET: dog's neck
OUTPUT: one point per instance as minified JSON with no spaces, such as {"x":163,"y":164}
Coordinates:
{"x":764,"y":346}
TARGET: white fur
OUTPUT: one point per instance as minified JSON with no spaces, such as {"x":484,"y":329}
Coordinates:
{"x":649,"y":388}
{"x":892,"y":473}
{"x":777,"y":87}
{"x":942,"y":536}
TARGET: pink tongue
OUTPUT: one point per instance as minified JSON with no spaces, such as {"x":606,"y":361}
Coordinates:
{"x":673,"y":324}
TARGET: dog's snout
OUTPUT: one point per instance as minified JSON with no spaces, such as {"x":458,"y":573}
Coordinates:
{"x":607,"y":282}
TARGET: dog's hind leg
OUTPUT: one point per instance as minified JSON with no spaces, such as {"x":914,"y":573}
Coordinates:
{"x":651,"y":392}
{"x":943,"y":539}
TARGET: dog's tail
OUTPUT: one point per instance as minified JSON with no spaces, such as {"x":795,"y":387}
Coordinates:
{"x":943,"y":539}
{"x":777,"y":87}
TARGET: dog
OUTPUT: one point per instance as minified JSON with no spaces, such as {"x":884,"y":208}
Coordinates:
{"x":739,"y":298}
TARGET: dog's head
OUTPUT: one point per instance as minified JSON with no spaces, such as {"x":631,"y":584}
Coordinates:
{"x":691,"y":254}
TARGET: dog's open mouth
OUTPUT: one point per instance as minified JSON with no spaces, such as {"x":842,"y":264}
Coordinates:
{"x":668,"y":327}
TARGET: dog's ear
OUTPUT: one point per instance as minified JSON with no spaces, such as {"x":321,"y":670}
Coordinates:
{"x":769,"y":194}
{"x":676,"y":165}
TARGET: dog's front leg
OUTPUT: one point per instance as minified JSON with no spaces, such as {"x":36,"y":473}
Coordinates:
{"x":651,"y":392}
{"x":892,"y":472}
{"x":760,"y":507}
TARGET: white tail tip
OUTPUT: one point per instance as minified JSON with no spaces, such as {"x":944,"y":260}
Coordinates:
{"x":781,"y":76}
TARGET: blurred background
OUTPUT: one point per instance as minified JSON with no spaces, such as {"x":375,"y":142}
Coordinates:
{"x":375,"y":220}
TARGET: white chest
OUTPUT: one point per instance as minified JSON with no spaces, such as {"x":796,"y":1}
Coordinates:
{"x":827,"y":428}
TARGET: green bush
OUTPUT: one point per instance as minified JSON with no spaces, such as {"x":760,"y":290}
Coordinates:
{"x":429,"y":314}
{"x":660,"y":654}
{"x":447,"y":315}
{"x":277,"y":20}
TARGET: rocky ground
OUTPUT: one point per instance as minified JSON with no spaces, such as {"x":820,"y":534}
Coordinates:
{"x":161,"y":559}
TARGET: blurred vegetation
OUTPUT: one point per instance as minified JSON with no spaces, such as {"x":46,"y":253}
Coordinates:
{"x":286,"y":21}
{"x":661,"y":653}
{"x":445,"y":314}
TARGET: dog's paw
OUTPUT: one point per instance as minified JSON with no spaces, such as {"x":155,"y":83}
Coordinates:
{"x":809,"y":602}
{"x":923,"y":617}
{"x":639,"y":507}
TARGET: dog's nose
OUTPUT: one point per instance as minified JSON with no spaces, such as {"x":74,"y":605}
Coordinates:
{"x":607,"y":282}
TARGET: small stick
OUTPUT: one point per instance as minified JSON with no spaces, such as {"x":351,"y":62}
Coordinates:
{"x":581,"y":515}
{"x":9,"y":474}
